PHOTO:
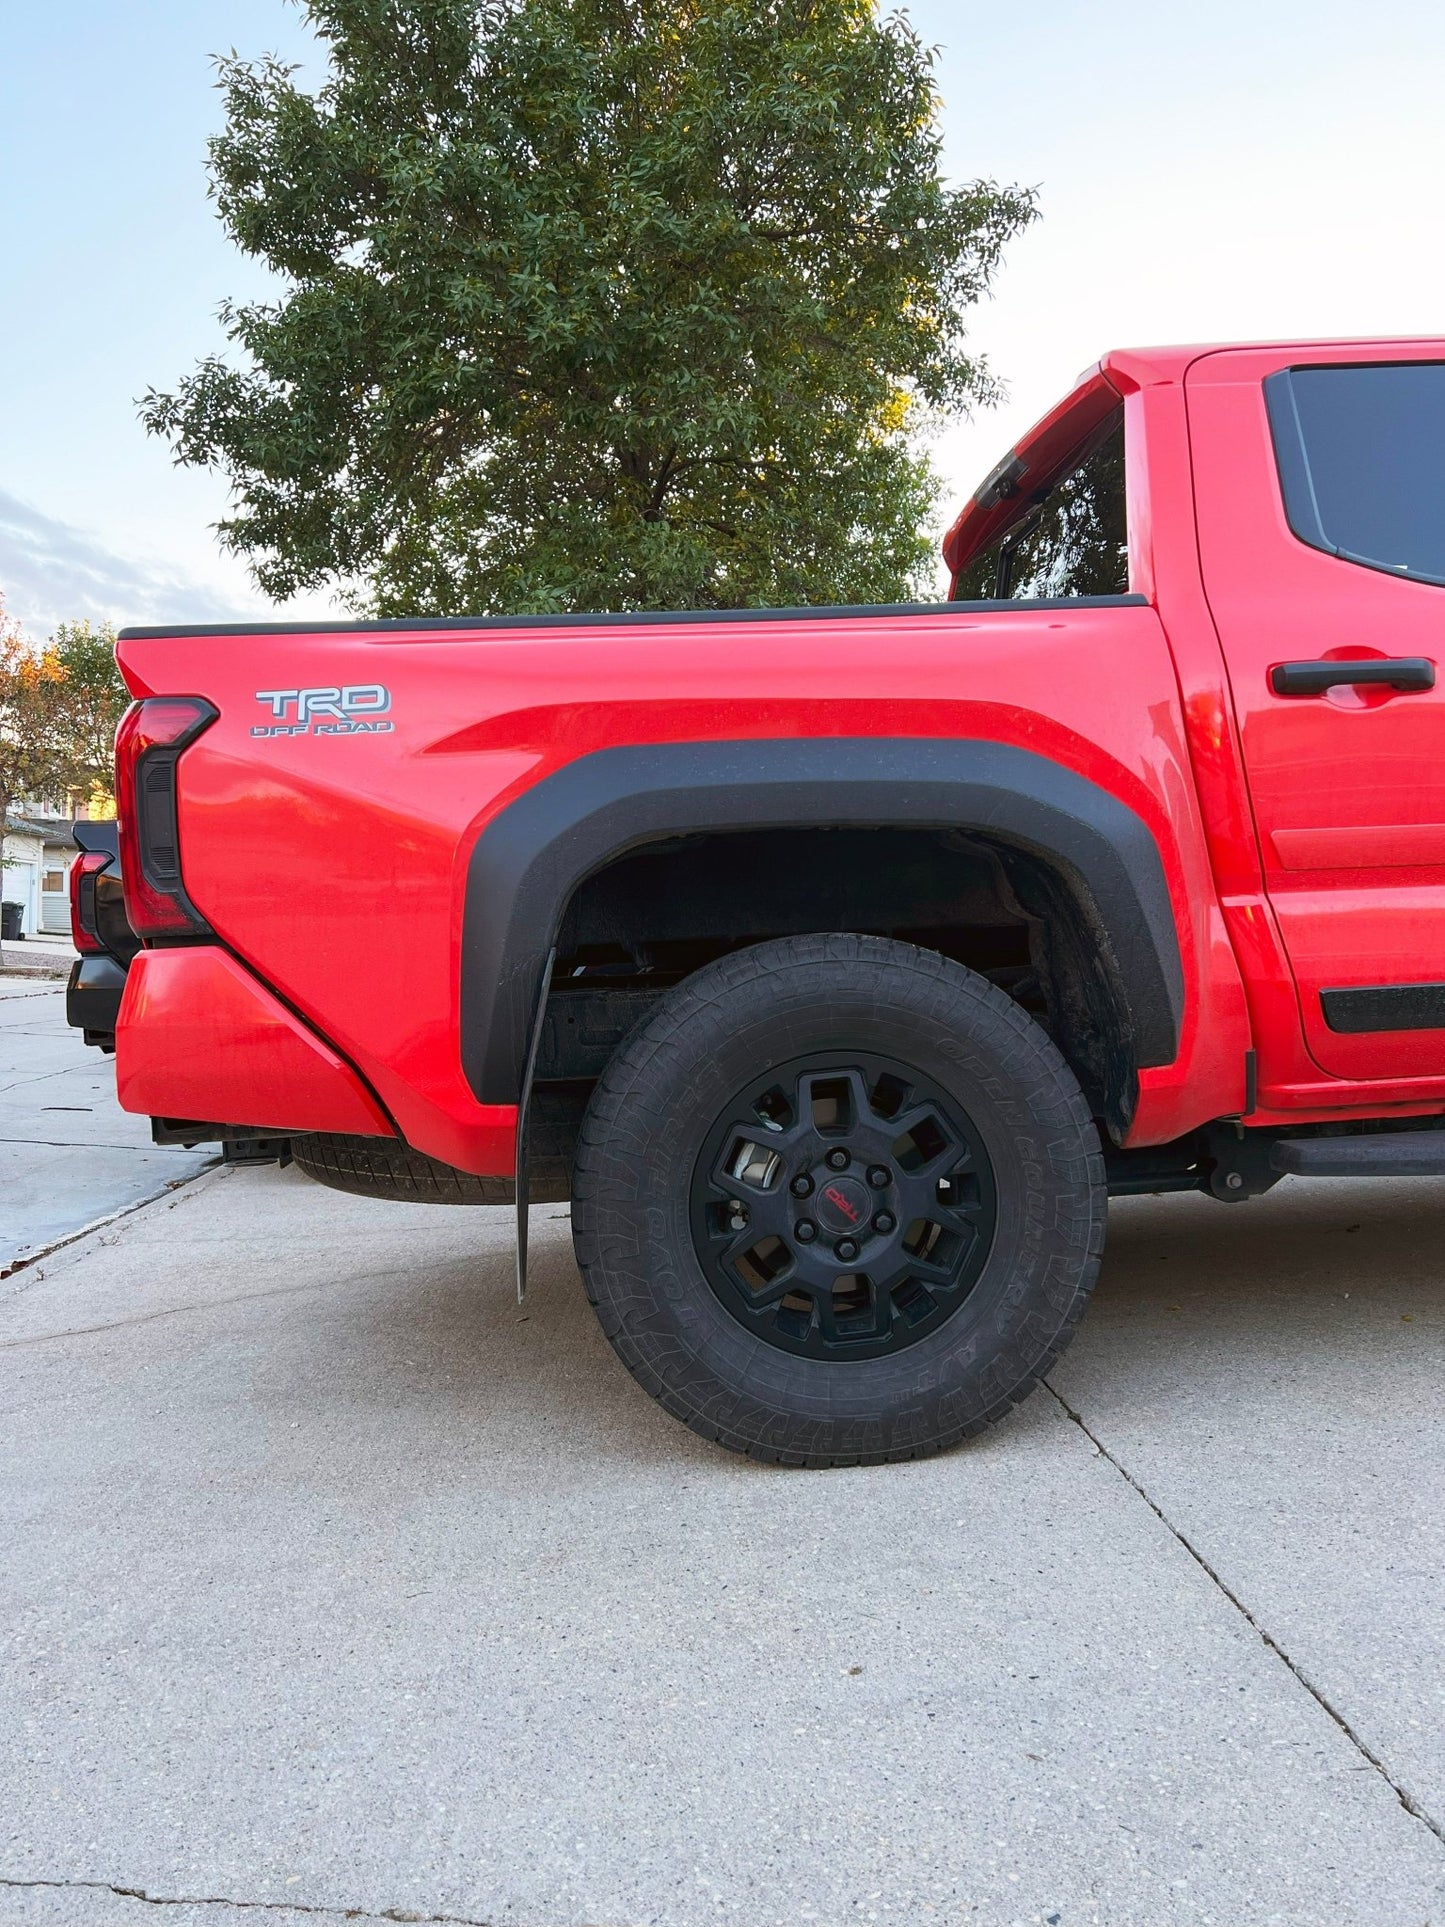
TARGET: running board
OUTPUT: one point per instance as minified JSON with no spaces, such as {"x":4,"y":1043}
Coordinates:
{"x":1385,"y":1154}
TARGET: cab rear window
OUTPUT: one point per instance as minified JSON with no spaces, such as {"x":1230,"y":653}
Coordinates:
{"x":1071,"y":538}
{"x":1361,"y":455}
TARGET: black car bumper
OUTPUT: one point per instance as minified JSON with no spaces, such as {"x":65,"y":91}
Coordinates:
{"x":92,"y":998}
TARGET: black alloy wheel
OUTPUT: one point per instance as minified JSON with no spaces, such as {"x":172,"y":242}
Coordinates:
{"x":838,"y":1201}
{"x":843,"y":1207}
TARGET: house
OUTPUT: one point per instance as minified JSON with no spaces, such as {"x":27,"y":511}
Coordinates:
{"x":25,"y":859}
{"x":39,"y":850}
{"x":60,"y":853}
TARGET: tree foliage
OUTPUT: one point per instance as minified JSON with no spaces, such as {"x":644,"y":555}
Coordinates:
{"x":60,"y":703}
{"x":590,"y":304}
{"x":91,"y":703}
{"x":33,"y":753}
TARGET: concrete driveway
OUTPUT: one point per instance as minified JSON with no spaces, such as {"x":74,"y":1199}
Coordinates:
{"x":335,"y":1587}
{"x":69,"y":1156}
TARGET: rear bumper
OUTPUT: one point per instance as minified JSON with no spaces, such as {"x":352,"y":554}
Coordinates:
{"x":92,"y":998}
{"x":198,"y":1037}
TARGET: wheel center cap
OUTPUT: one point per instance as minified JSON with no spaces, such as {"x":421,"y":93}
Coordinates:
{"x":842,"y":1204}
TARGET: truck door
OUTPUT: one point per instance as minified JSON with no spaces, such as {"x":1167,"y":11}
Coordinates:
{"x":1320,"y":496}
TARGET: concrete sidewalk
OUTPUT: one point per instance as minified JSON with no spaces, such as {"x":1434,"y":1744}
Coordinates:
{"x":69,"y":1156}
{"x":46,"y":954}
{"x":336,"y":1587}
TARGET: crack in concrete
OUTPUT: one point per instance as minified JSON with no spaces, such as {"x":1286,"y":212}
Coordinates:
{"x":42,"y":1077}
{"x":171,"y":1186}
{"x":1406,"y":1799}
{"x":205,"y":1305}
{"x":249,"y":1906}
{"x":88,"y":1144}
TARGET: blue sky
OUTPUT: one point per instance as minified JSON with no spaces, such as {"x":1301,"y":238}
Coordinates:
{"x":1241,"y":171}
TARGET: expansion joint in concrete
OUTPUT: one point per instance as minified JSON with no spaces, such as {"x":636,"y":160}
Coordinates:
{"x":1406,"y":1799}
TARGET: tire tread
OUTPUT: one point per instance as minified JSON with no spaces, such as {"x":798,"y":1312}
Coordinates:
{"x":633,"y":1099}
{"x":382,"y":1167}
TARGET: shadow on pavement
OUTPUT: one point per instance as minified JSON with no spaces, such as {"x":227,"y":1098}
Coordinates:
{"x":1342,"y":1281}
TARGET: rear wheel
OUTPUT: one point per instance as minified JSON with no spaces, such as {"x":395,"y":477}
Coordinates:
{"x":839,"y":1200}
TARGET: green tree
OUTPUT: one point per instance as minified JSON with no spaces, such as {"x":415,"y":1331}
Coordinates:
{"x":33,"y":756}
{"x":591,"y":304}
{"x":93,"y":702}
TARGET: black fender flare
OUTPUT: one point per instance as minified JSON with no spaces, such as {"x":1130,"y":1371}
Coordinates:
{"x":531,"y":858}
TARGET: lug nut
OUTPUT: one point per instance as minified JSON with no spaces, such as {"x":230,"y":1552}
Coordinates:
{"x":884,"y":1222}
{"x":801,"y":1186}
{"x":846,"y":1249}
{"x":838,"y":1160}
{"x":805,"y":1231}
{"x":878,"y":1176}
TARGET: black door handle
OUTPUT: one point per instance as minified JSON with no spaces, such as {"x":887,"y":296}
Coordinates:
{"x":1313,"y":678}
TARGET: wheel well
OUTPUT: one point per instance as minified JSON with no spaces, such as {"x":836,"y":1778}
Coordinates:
{"x":654,"y":915}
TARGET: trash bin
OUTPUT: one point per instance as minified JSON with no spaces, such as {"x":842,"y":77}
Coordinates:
{"x":10,"y":915}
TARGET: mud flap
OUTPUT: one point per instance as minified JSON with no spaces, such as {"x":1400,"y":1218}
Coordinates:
{"x":524,"y":1106}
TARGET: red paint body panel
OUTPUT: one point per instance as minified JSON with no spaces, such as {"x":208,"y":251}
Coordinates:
{"x":198,"y":1037}
{"x":1355,"y":779}
{"x":1302,"y":842}
{"x":345,"y":891}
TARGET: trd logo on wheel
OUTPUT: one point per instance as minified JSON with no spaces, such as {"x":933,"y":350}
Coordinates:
{"x":355,"y":710}
{"x":844,"y":1203}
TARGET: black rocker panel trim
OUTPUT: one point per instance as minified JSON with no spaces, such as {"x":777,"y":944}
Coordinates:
{"x":820,"y":612}
{"x":527,"y":864}
{"x":1384,"y":1007}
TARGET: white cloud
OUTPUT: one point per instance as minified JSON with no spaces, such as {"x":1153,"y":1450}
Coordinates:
{"x":51,"y":572}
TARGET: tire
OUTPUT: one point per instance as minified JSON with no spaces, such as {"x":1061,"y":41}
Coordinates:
{"x":873,"y":1364}
{"x":383,"y":1167}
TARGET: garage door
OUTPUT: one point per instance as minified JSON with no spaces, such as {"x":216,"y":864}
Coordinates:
{"x":22,"y":886}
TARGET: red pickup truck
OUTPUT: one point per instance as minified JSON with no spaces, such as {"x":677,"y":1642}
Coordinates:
{"x":838,"y":963}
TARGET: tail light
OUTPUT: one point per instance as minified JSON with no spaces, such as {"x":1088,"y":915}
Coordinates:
{"x":148,"y":746}
{"x":83,"y":930}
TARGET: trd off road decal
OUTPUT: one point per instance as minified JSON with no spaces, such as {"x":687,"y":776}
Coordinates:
{"x":356,"y":710}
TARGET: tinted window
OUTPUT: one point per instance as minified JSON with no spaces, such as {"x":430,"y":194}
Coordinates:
{"x":1071,"y":539}
{"x":1361,"y":456}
